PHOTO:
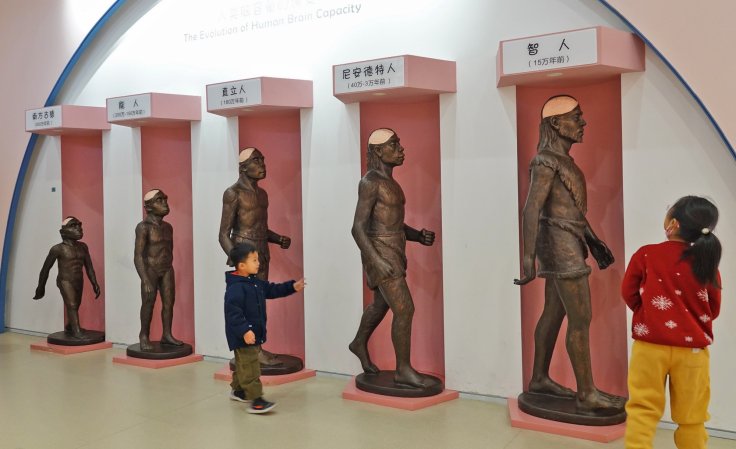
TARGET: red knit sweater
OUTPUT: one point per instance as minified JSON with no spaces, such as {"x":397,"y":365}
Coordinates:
{"x":670,"y":306}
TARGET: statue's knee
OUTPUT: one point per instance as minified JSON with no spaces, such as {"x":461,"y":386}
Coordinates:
{"x":578,"y":331}
{"x":167,"y":306}
{"x":408,"y":309}
{"x":580,"y":320}
{"x":381,"y":309}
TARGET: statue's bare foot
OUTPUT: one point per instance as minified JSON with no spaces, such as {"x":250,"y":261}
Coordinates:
{"x":614,"y":397}
{"x":409,"y":376}
{"x":361,"y":351}
{"x":546,"y":385}
{"x":267,"y":358}
{"x":77,"y":332}
{"x":168,"y":339}
{"x":145,"y":343}
{"x":598,"y":400}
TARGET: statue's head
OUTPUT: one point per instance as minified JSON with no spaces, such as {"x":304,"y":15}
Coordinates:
{"x":71,"y":228}
{"x":156,"y":202}
{"x":252,"y":164}
{"x":562,"y":118}
{"x":384,"y":147}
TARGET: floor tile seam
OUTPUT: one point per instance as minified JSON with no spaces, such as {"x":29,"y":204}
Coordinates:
{"x":140,"y":420}
{"x":157,"y":416}
{"x":23,"y":434}
{"x":517,"y":433}
{"x":145,"y":420}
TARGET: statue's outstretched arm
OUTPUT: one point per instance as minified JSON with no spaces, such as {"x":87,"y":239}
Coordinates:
{"x":367,"y":197}
{"x":539,"y":188}
{"x":44,"y":275}
{"x":229,"y":206}
{"x":90,"y":271}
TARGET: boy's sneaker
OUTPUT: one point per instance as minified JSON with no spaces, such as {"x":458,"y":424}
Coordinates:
{"x":260,"y":405}
{"x":238,"y":395}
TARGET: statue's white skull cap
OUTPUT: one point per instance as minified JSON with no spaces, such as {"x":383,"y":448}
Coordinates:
{"x":559,"y":105}
{"x":66,"y":221}
{"x":380,"y":136}
{"x":245,"y":154}
{"x":151,"y":193}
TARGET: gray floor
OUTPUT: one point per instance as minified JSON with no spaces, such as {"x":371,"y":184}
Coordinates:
{"x":84,"y":401}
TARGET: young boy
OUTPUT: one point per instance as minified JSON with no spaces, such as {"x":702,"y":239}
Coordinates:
{"x":245,"y":323}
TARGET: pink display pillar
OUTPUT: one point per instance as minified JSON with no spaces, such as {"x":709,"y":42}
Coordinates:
{"x":268,"y":111}
{"x":541,"y":67}
{"x":80,"y":132}
{"x":166,"y":164}
{"x":402,"y":93}
{"x":81,"y":197}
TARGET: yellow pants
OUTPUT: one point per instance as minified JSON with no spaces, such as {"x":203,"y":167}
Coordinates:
{"x":689,"y":373}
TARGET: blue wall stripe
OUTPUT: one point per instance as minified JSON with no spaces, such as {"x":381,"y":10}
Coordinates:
{"x":676,"y":73}
{"x":91,"y":36}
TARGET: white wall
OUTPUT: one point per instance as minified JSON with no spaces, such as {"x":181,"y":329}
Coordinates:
{"x":33,"y":61}
{"x":122,"y":194}
{"x":479,"y":185}
{"x":214,"y":168}
{"x":699,"y":58}
{"x":671,"y":150}
{"x":39,"y":220}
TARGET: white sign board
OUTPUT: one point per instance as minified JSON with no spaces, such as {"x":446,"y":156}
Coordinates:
{"x":43,"y":118}
{"x":234,"y":94}
{"x":128,"y":108}
{"x":369,"y":75}
{"x":553,"y":51}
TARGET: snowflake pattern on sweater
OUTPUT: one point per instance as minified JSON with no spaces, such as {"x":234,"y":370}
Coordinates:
{"x":703,"y":295}
{"x":662,"y":302}
{"x":641,"y":329}
{"x":670,"y":306}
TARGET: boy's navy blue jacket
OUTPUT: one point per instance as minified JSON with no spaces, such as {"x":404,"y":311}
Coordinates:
{"x":245,"y":306}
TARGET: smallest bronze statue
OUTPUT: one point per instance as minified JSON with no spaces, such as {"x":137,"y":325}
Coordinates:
{"x":72,"y":256}
{"x":154,"y":261}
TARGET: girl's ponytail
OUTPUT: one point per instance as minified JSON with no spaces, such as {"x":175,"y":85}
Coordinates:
{"x":697,"y":218}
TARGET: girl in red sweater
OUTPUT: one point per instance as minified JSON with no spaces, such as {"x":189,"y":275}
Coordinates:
{"x":674,"y":290}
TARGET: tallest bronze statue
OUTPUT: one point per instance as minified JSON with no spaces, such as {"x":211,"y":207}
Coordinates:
{"x":557,"y":234}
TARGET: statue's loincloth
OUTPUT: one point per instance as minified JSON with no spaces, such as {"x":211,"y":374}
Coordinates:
{"x":391,"y":247}
{"x":561,"y":248}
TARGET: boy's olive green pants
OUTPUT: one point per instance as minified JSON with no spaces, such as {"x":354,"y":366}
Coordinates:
{"x":247,"y":374}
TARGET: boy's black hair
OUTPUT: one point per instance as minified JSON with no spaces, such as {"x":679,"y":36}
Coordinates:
{"x":240,"y":252}
{"x":697,"y":217}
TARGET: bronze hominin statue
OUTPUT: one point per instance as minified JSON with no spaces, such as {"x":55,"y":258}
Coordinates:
{"x":381,"y":234}
{"x":153,"y":258}
{"x":245,"y":220}
{"x":72,"y":256}
{"x":558,"y":235}
{"x":245,"y":212}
